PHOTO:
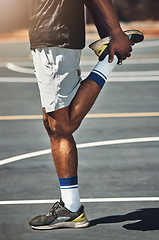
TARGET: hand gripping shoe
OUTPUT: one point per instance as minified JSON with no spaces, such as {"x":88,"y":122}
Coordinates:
{"x":101,"y":46}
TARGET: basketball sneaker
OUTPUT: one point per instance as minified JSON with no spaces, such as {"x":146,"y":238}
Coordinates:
{"x":101,"y":46}
{"x":60,"y":217}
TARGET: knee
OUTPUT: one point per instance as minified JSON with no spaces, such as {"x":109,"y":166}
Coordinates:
{"x":56,"y":128}
{"x":63,"y":130}
{"x":46,"y":123}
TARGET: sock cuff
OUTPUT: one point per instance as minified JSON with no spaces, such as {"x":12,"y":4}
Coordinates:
{"x":97,"y":77}
{"x":94,"y":76}
{"x":70,"y":182}
{"x":102,"y":70}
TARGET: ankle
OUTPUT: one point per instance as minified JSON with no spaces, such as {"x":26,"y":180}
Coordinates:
{"x":70,"y":193}
{"x":102,"y":70}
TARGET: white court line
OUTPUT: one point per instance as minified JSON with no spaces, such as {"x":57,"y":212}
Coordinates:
{"x":139,"y":76}
{"x":20,"y":69}
{"x":84,"y":75}
{"x":130,"y":74}
{"x":147,"y":44}
{"x":82,"y":145}
{"x":16,"y":68}
{"x":134,"y":79}
{"x":24,"y":156}
{"x":17,"y":80}
{"x":88,"y":62}
{"x":137,"y":73}
{"x":127,"y":62}
{"x":138,"y":61}
{"x":83,"y":200}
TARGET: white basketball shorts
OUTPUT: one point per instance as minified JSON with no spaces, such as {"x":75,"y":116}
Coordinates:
{"x":58,"y":74}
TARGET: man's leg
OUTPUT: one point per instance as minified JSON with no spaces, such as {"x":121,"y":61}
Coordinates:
{"x":66,"y":120}
{"x":63,"y":150}
{"x":60,"y":125}
{"x":64,"y":153}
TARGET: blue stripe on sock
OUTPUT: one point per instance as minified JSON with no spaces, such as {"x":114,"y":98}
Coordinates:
{"x":97,"y":78}
{"x":69,"y":187}
{"x":99,"y":73}
{"x":68,"y":181}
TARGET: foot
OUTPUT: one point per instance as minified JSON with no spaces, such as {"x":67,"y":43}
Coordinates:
{"x":101,"y":46}
{"x":60,"y":217}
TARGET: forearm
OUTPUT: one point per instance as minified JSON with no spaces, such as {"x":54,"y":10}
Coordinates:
{"x":104,"y":17}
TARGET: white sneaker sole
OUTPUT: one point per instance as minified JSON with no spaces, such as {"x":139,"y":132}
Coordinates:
{"x":83,"y":224}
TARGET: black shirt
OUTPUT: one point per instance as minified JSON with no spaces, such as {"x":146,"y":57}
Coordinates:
{"x":56,"y":23}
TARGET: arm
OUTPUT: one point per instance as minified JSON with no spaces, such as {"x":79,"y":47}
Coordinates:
{"x":106,"y":21}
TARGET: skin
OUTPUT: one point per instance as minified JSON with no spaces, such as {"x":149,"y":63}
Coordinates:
{"x":61,"y":124}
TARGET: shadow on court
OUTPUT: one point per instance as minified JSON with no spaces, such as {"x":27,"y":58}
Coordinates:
{"x":148,"y":220}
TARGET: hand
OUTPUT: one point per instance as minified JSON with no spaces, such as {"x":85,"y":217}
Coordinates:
{"x":121,"y":44}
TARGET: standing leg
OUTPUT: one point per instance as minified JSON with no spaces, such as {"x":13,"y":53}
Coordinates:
{"x":63,"y":150}
{"x":65,"y":157}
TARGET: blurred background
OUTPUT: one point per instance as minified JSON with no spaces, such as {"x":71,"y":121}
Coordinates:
{"x":13,"y":13}
{"x":135,"y":10}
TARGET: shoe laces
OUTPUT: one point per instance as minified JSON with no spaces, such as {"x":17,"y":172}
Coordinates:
{"x":52,"y":210}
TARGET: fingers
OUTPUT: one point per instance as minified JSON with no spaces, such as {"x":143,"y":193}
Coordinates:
{"x":111,"y":54}
{"x":132,"y":43}
{"x":130,"y":49}
{"x":126,"y":55}
{"x":120,"y":49}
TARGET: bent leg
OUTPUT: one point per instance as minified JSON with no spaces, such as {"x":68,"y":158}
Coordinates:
{"x":61,"y":123}
{"x":66,"y":120}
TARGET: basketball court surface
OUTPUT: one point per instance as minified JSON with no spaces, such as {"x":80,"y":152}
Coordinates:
{"x":118,"y":145}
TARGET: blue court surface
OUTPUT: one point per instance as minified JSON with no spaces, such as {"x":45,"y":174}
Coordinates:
{"x":118,"y":145}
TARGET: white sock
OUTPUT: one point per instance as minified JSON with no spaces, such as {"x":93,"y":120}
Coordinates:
{"x":70,"y":193}
{"x":102,"y":70}
{"x":71,"y":199}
